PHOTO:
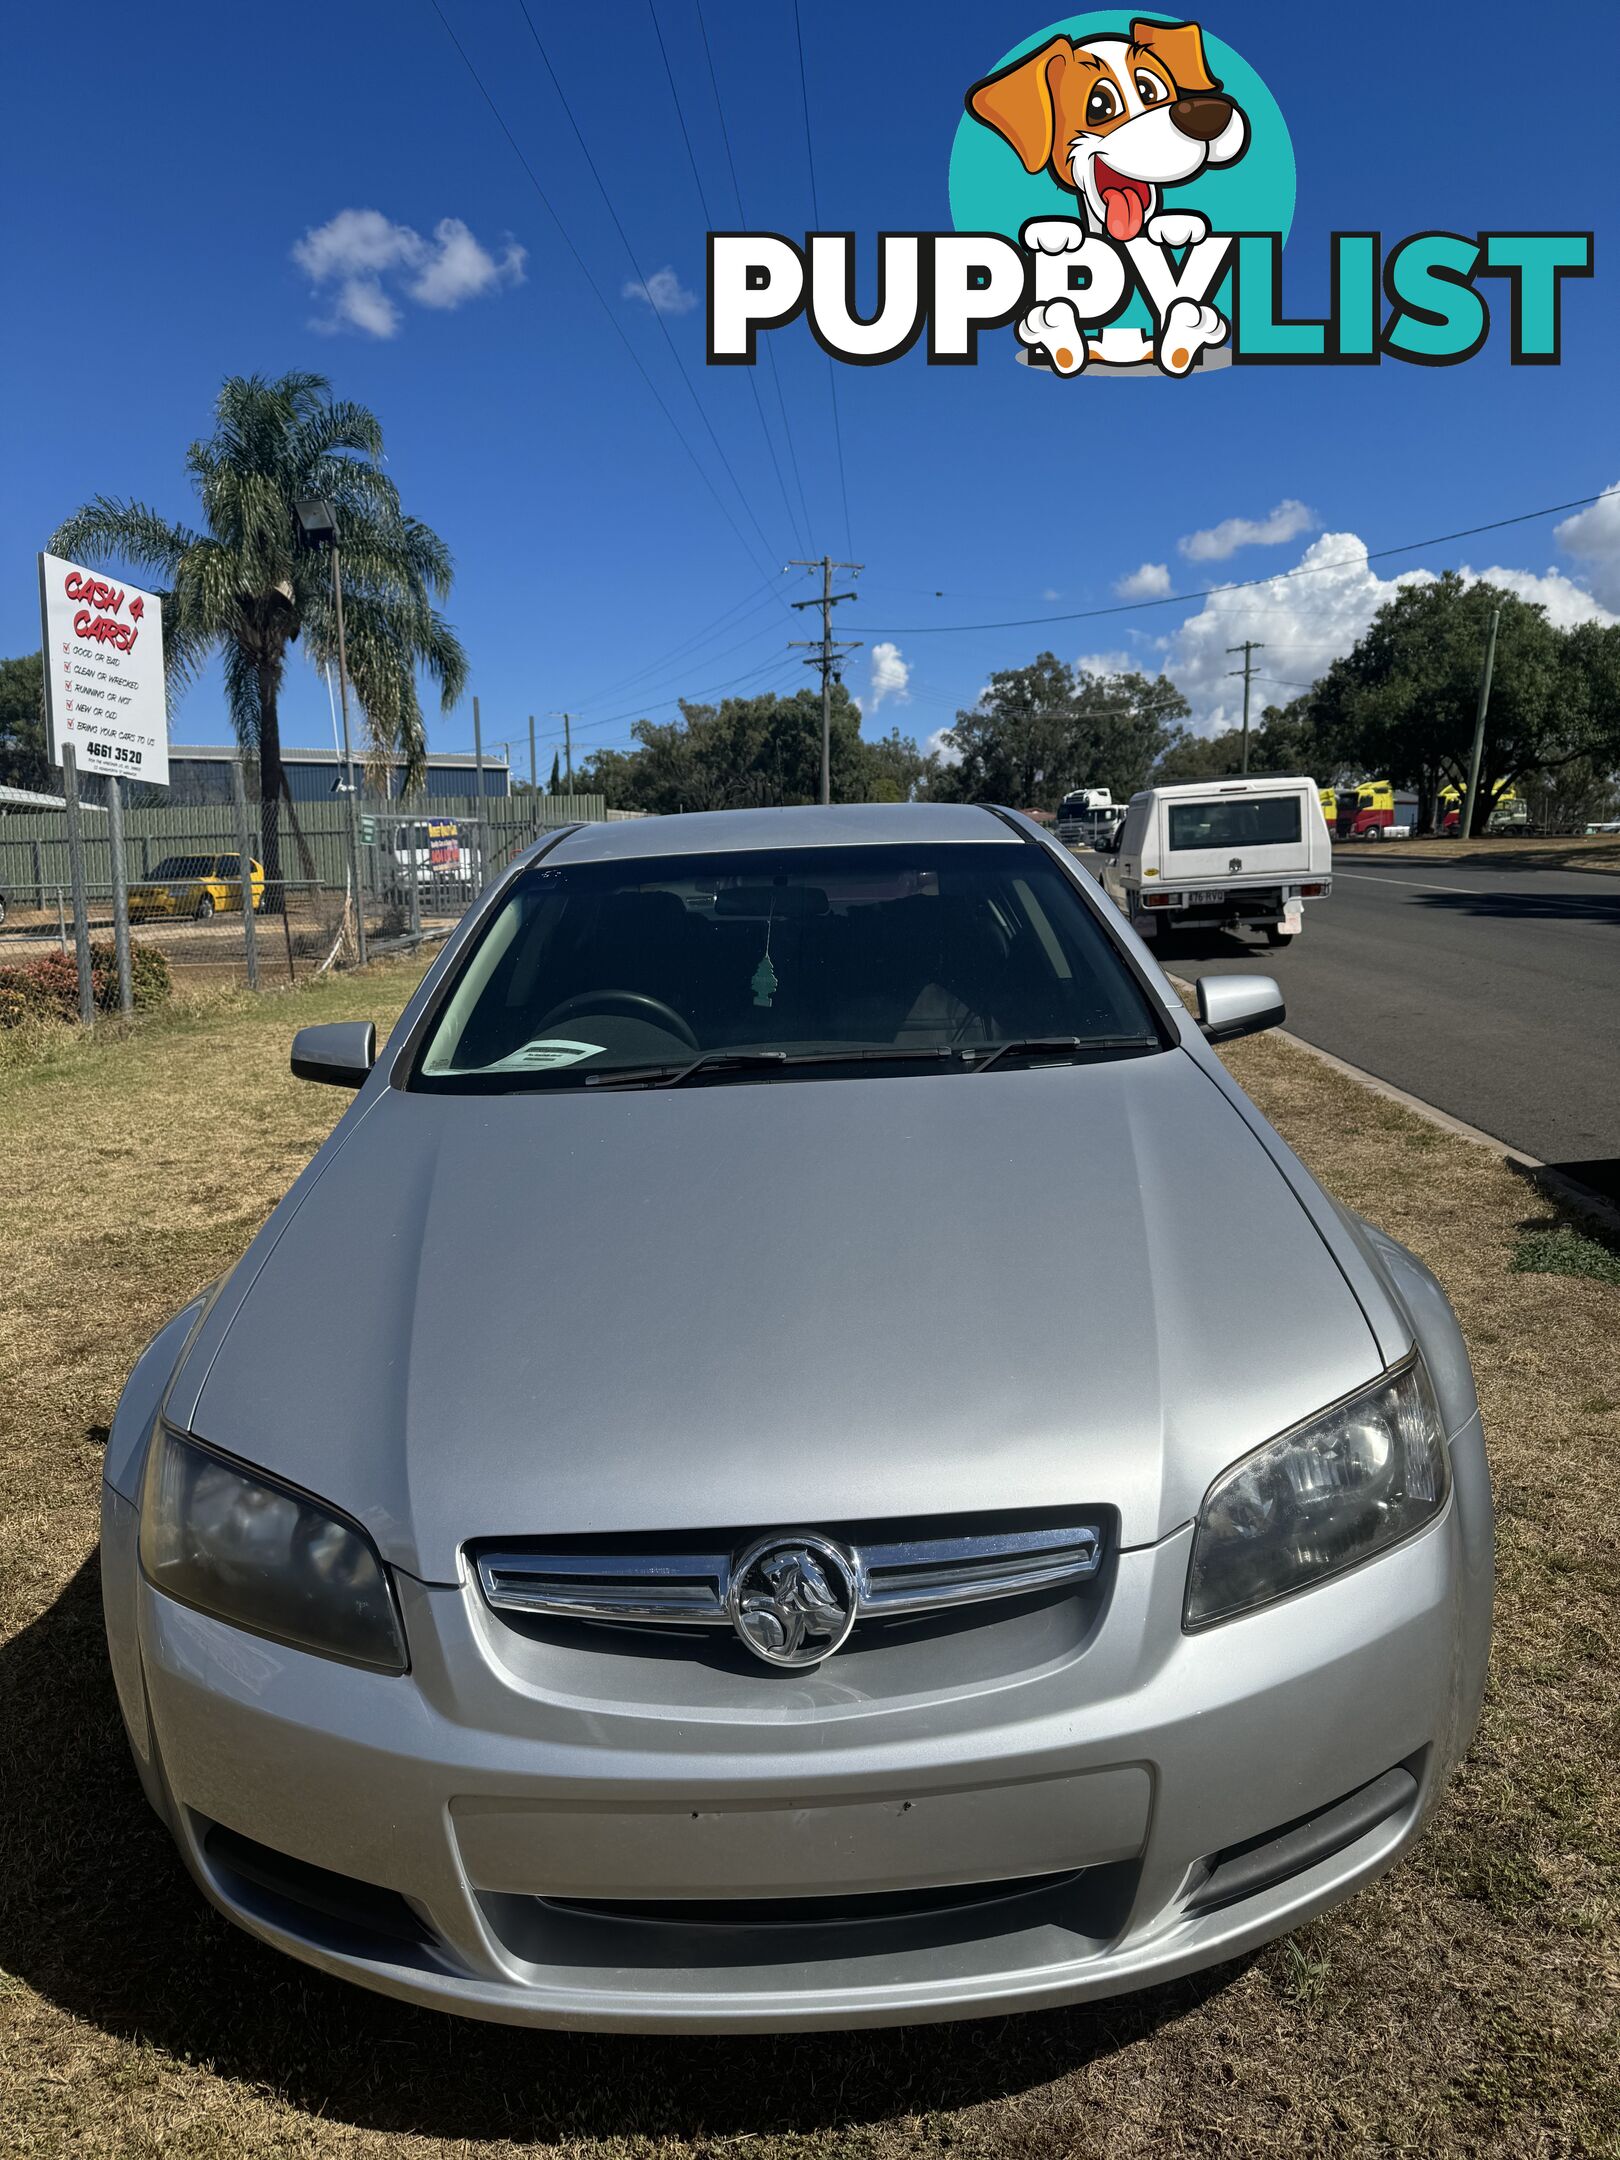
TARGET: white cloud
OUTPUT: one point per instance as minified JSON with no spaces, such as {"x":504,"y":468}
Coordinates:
{"x":353,"y":243}
{"x":1051,"y":593}
{"x":356,"y":250}
{"x":460,"y":267}
{"x":362,"y":304}
{"x":663,"y":293}
{"x":1105,"y":663}
{"x":1306,"y":622}
{"x":938,"y":746}
{"x":1215,"y":544}
{"x":1592,"y":536}
{"x":891,"y":676}
{"x":1566,"y":602}
{"x":1151,"y":582}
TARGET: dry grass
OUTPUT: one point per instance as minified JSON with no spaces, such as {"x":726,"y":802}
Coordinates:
{"x":1596,"y":851}
{"x":1467,"y":2004}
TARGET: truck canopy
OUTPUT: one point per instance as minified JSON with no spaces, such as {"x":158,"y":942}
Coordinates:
{"x":1228,"y":832}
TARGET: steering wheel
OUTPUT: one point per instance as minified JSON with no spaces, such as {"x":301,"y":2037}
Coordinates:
{"x":602,"y":1000}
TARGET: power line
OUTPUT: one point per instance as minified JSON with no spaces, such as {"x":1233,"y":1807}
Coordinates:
{"x":725,"y":652}
{"x":739,"y":611}
{"x":709,"y":223}
{"x":742,"y":220}
{"x":775,"y":666}
{"x":641,"y":275}
{"x":815,"y":212}
{"x":601,"y":301}
{"x":1208,"y":592}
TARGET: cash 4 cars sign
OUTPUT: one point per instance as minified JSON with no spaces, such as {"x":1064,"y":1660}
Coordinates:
{"x":104,"y":694}
{"x":1121,"y":189}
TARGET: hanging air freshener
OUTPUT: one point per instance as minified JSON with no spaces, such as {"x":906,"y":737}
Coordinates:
{"x":764,"y":985}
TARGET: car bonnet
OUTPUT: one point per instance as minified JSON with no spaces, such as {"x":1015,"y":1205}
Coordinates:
{"x":790,"y":1303}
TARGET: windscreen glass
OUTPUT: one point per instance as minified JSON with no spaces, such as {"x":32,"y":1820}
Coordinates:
{"x":599,"y":968}
{"x":1234,"y":821}
{"x":184,"y":866}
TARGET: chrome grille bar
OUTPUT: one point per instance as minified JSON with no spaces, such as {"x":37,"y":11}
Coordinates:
{"x":669,"y":1590}
{"x":692,"y":1589}
{"x":925,"y":1574}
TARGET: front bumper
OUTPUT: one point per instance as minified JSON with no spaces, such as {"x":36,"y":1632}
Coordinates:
{"x":576,"y":1839}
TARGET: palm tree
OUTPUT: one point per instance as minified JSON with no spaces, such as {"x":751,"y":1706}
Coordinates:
{"x":245,"y":586}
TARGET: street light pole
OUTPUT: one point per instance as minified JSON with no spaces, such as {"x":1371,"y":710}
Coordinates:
{"x":348,"y":761}
{"x":1465,"y":829}
{"x":318,"y":528}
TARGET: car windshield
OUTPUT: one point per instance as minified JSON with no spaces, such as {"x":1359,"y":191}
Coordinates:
{"x":185,"y":866}
{"x":908,"y":958}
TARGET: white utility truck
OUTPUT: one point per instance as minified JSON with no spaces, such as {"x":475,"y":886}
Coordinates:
{"x":1221,"y":854}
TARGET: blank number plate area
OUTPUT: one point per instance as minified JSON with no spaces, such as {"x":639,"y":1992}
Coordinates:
{"x":799,"y":1846}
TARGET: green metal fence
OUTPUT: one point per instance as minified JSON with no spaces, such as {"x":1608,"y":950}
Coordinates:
{"x":34,"y":849}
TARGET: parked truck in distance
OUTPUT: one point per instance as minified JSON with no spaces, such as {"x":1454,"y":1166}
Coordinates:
{"x":1509,"y":812}
{"x":1087,"y":816}
{"x":1372,"y":810}
{"x":1223,"y":854}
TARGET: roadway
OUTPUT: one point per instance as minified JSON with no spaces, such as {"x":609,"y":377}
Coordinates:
{"x":1493,"y":994}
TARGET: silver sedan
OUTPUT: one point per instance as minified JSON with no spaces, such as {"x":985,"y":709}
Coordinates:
{"x":945,"y":1517}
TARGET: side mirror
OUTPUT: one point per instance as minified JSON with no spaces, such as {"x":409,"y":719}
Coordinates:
{"x":341,"y":1053}
{"x":1233,"y":1005}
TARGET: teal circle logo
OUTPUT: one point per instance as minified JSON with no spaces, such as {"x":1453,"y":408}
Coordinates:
{"x":990,"y":190}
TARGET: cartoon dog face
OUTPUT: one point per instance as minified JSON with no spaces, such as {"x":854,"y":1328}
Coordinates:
{"x":1117,"y":119}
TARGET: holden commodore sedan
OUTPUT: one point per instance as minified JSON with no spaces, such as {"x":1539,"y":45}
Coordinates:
{"x":802,"y":1456}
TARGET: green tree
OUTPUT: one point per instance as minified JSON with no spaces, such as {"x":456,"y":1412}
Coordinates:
{"x":554,"y":784}
{"x":1040,"y":730}
{"x":753,"y":752}
{"x":243,"y":586}
{"x":23,"y":761}
{"x":1402,"y":702}
{"x":892,"y":767}
{"x":1287,"y":740}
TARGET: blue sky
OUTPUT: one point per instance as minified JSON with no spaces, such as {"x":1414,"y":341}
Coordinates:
{"x":158,"y":196}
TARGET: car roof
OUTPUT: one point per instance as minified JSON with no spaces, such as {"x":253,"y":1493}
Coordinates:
{"x":712,"y":832}
{"x":1231,"y":784}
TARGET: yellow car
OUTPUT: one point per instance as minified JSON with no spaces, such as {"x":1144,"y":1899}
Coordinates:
{"x":195,"y":885}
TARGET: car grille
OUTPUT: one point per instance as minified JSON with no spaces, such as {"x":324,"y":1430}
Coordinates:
{"x":689,"y":1585}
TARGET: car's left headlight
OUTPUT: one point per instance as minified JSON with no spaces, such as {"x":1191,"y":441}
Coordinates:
{"x":1360,"y":1477}
{"x":264,"y":1556}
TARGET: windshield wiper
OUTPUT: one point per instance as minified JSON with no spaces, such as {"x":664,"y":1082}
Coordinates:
{"x":1058,"y":1046}
{"x":724,"y":1061}
{"x":668,"y":1076}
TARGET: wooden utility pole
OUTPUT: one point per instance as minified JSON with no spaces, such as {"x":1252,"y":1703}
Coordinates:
{"x":567,"y":720}
{"x":1248,"y":649}
{"x":828,"y":655}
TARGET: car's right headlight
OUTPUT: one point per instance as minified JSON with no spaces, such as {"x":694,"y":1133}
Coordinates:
{"x":264,"y":1556}
{"x":1366,"y":1473}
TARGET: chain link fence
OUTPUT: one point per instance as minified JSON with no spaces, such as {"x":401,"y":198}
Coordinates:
{"x":166,"y":899}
